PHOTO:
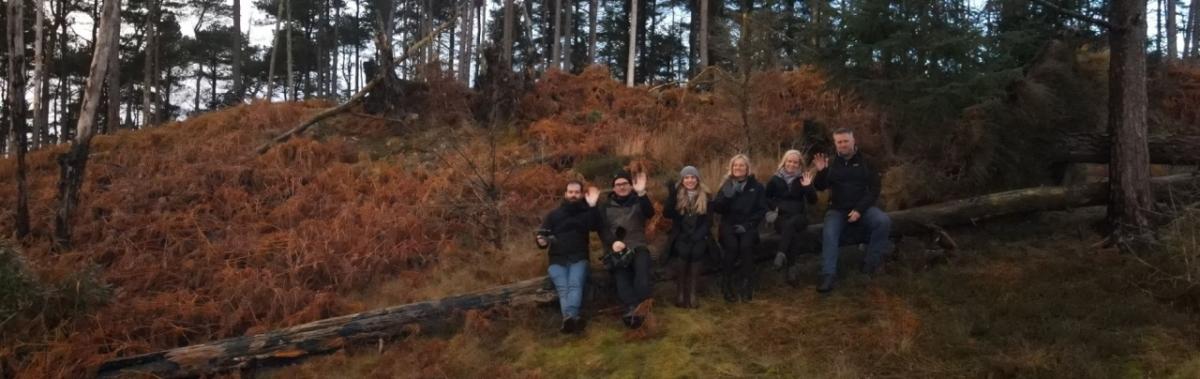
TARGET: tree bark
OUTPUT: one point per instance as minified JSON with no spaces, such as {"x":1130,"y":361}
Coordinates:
{"x":150,"y":67}
{"x":236,"y":54}
{"x":556,"y":45}
{"x":324,"y":336}
{"x":568,"y":37}
{"x":275,"y":54}
{"x":40,"y":95}
{"x":593,"y":11}
{"x":508,"y":33}
{"x":633,"y":22}
{"x":112,"y":118}
{"x":465,"y":37}
{"x":703,"y":34}
{"x":17,"y":108}
{"x":318,"y":337}
{"x":1129,"y":173}
{"x":1172,"y":33}
{"x":74,"y":162}
{"x":290,"y":91}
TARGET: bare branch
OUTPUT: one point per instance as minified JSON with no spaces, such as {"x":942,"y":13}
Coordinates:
{"x":1076,"y":15}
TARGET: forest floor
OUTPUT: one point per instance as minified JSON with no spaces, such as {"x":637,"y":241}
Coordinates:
{"x":1026,"y":297}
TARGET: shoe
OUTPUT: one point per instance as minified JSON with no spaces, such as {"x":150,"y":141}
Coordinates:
{"x":567,"y":326}
{"x":780,"y":260}
{"x":793,"y":276}
{"x":747,"y":293}
{"x":580,"y":325}
{"x":826,"y":283}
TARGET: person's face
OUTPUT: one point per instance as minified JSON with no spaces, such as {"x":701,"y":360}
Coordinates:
{"x":622,"y":187}
{"x":690,"y":182}
{"x":791,"y":163}
{"x":574,"y":193}
{"x":740,"y":169}
{"x":844,"y":143}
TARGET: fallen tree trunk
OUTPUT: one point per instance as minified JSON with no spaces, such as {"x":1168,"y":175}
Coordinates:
{"x":327,"y":335}
{"x":1096,"y":148}
{"x":317,"y":337}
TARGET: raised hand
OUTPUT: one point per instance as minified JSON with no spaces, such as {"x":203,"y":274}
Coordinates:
{"x":853,"y":216}
{"x":639,"y":183}
{"x":806,"y":178}
{"x":593,"y":196}
{"x":820,"y":161}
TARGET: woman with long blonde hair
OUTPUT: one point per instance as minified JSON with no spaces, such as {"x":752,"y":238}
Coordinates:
{"x":741,"y":202}
{"x":691,"y":224}
{"x":788,"y":194}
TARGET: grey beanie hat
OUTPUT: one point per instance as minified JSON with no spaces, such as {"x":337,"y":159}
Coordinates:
{"x":689,"y":170}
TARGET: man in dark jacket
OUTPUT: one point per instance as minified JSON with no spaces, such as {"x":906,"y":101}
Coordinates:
{"x":854,"y":187}
{"x":623,"y":216}
{"x":565,"y":234}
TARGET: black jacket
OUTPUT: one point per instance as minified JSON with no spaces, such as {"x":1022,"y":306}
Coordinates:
{"x":855,"y":184}
{"x":629,"y":213}
{"x":569,"y":225}
{"x":686,"y":227}
{"x":747,"y":208}
{"x":789,"y":199}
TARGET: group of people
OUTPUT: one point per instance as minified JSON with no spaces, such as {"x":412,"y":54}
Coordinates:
{"x":743,"y":204}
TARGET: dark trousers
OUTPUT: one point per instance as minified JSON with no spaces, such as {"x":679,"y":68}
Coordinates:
{"x":738,"y":255}
{"x":633,"y":282}
{"x":793,"y":234}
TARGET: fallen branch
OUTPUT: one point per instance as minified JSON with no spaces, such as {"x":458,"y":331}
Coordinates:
{"x":358,"y":96}
{"x":1096,"y":148}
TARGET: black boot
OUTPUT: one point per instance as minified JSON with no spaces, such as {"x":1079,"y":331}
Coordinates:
{"x":826,"y":285}
{"x":681,"y":283}
{"x":727,"y":288}
{"x":693,"y":272}
{"x":747,"y":289}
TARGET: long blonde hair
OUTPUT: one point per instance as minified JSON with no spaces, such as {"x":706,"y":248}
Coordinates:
{"x":786,"y":154}
{"x":686,"y":205}
{"x":729,"y":173}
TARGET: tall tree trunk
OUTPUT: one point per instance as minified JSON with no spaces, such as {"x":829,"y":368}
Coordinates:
{"x":336,"y":50}
{"x":464,"y":61}
{"x":593,"y":11}
{"x":568,"y":36}
{"x":633,"y":21}
{"x":17,"y":107}
{"x":274,"y":54}
{"x":148,"y":71}
{"x":112,"y":118}
{"x":290,"y":91}
{"x":196,"y":99}
{"x":1172,"y":33}
{"x":39,"y":74}
{"x":1130,"y":198}
{"x":508,"y":34}
{"x":236,"y":54}
{"x":703,"y":34}
{"x":556,"y":45}
{"x":74,"y":162}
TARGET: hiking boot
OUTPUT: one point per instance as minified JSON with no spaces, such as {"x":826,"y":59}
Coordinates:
{"x":826,"y":284}
{"x":567,"y":326}
{"x":747,"y":290}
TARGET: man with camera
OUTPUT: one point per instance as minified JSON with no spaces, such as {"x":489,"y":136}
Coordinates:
{"x":565,"y":233}
{"x":623,"y":217}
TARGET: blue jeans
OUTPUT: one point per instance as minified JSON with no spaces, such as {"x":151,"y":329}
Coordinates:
{"x":568,"y":281}
{"x":878,"y":226}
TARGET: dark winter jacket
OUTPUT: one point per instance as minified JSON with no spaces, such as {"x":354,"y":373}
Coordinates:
{"x":628,"y":214}
{"x":854,"y":183}
{"x":789,"y":199}
{"x":747,"y":207}
{"x":686,"y":228}
{"x":567,"y":228}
